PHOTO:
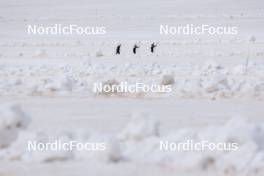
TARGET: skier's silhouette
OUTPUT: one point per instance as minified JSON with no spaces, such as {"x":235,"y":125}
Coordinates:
{"x":135,"y":49}
{"x":153,"y":45}
{"x":118,"y":49}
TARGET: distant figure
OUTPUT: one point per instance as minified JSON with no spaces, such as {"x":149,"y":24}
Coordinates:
{"x":153,"y":45}
{"x":118,"y":49}
{"x":135,"y":49}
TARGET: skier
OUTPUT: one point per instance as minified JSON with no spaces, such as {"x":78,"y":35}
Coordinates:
{"x":135,"y":48}
{"x":118,"y":48}
{"x":153,"y":45}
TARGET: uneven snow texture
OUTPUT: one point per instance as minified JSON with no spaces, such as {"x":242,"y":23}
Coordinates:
{"x":209,"y":80}
{"x":139,"y":142}
{"x":12,"y":120}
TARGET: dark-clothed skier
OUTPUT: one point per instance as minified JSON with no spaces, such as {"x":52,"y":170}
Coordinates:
{"x":153,"y":45}
{"x":135,"y":49}
{"x":118,"y":49}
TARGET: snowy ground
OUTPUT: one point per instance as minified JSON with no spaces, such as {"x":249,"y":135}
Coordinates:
{"x":215,"y":79}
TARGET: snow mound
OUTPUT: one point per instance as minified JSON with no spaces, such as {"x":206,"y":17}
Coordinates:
{"x":12,"y":120}
{"x":140,"y":127}
{"x":167,"y":80}
{"x":19,"y":149}
{"x":60,"y":84}
{"x":252,"y":39}
{"x":209,"y":80}
{"x":99,"y":53}
{"x":110,"y":83}
{"x":41,"y":53}
{"x":247,"y":136}
{"x":114,"y":152}
{"x":140,"y":142}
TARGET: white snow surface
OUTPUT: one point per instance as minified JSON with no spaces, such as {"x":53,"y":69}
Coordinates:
{"x":215,"y":80}
{"x":209,"y":80}
{"x":12,"y":120}
{"x":139,"y":142}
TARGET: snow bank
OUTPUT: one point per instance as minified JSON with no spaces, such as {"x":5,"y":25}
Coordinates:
{"x":248,"y":136}
{"x":140,"y":142}
{"x":209,"y":80}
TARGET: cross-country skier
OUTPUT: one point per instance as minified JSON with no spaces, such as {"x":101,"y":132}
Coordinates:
{"x":135,"y":48}
{"x":153,"y":45}
{"x":118,"y":49}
